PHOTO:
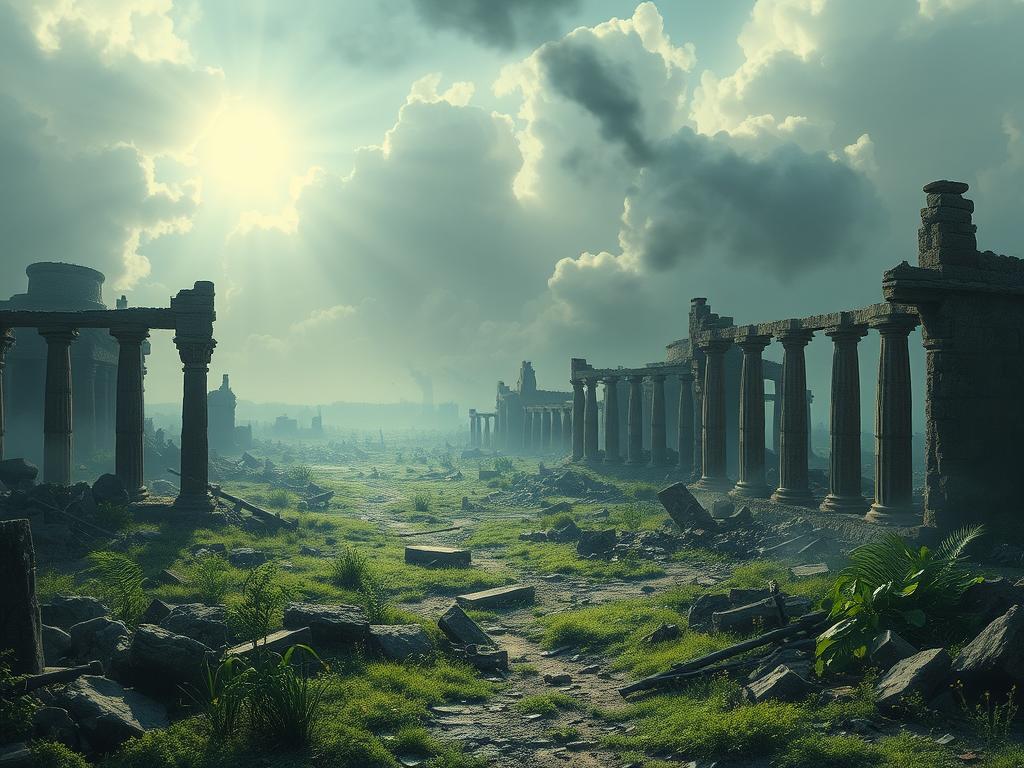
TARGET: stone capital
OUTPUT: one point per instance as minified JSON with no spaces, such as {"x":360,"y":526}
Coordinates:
{"x":753,"y":342}
{"x":195,"y":352}
{"x":712,"y":346}
{"x":794,"y":336}
{"x":58,"y":334}
{"x":895,"y":325}
{"x":846,"y":332}
{"x":129,"y":334}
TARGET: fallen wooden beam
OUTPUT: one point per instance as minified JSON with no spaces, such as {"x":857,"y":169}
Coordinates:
{"x":433,"y":530}
{"x":259,"y":512}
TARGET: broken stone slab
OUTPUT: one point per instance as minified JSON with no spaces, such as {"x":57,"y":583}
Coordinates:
{"x":762,"y":615}
{"x":109,"y":714}
{"x":100,"y":638}
{"x":56,"y":644}
{"x":167,"y":576}
{"x":781,"y":684}
{"x":160,"y":661}
{"x":722,"y":509}
{"x":798,"y":660}
{"x":206,"y":623}
{"x":497,"y":597}
{"x":699,"y":617}
{"x":683,"y":507}
{"x":811,"y":569}
{"x":156,"y":612}
{"x":277,"y":642}
{"x":923,"y":673}
{"x":65,"y":611}
{"x":246,"y":557}
{"x":888,"y":649}
{"x":20,"y":627}
{"x":486,"y":659}
{"x":596,"y":542}
{"x":995,"y":658}
{"x":401,"y":641}
{"x":338,"y":623}
{"x":460,"y":629}
{"x":448,"y":557}
{"x":566,"y":532}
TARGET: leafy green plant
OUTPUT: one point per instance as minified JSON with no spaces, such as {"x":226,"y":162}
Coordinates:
{"x":632,"y":516}
{"x":260,"y":606}
{"x":989,"y":718}
{"x":350,"y":568}
{"x":285,"y":703}
{"x":376,"y":601}
{"x":421,"y":502}
{"x":15,"y":712}
{"x":891,"y":585}
{"x":222,"y":700}
{"x":210,"y":577}
{"x":50,"y":754}
{"x":119,"y":579}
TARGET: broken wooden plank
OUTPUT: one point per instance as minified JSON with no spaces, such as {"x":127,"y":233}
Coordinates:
{"x":432,"y":530}
{"x":278,"y":642}
{"x":492,"y":598}
{"x":422,"y":554}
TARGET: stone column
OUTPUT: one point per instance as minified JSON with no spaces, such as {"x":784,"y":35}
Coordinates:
{"x":578,"y":408}
{"x":700,"y":370}
{"x":130,"y":410}
{"x":658,"y":420}
{"x":893,"y":430}
{"x":611,"y":420}
{"x":713,"y":467}
{"x":556,"y":429}
{"x":793,"y":485}
{"x":545,"y":430}
{"x":684,"y":442}
{"x":538,"y":431}
{"x":6,"y":342}
{"x":777,"y":417}
{"x":527,"y":430}
{"x":751,"y":481}
{"x":57,"y":405}
{"x":590,"y":448}
{"x":844,"y":462}
{"x":195,"y":354}
{"x":487,"y":431}
{"x":567,"y":429}
{"x":85,"y":409}
{"x":635,"y":422}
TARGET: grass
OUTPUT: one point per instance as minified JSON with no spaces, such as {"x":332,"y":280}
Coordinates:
{"x":547,"y":704}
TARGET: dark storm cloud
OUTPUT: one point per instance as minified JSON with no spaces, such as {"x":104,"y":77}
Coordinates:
{"x":579,"y":74}
{"x":502,"y":24}
{"x":786,"y":210}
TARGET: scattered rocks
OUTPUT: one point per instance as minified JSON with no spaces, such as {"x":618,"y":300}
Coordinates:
{"x":995,"y":658}
{"x":109,"y":714}
{"x":596,"y":542}
{"x":55,"y":724}
{"x":66,"y":611}
{"x":160,"y":661}
{"x":56,"y":644}
{"x":699,"y":617}
{"x":101,"y":638}
{"x":781,"y":684}
{"x":108,"y":489}
{"x":888,"y":649}
{"x":400,"y":642}
{"x":246,"y":557}
{"x":566,"y":531}
{"x":207,"y":624}
{"x":921,"y":673}
{"x":156,"y":612}
{"x":328,"y":623}
{"x":562,"y":678}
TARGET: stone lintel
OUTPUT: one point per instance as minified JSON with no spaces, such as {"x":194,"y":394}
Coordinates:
{"x":89,"y":318}
{"x":645,"y":372}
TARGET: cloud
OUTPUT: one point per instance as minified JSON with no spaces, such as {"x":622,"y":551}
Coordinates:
{"x":503,"y":24}
{"x":320,"y":318}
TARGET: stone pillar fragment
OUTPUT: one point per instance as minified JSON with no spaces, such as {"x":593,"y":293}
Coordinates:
{"x":487,"y":431}
{"x":844,"y":421}
{"x":713,"y":467}
{"x":658,"y":435}
{"x":556,"y":429}
{"x":567,"y":429}
{"x":751,"y":481}
{"x":527,"y":430}
{"x":684,"y":442}
{"x":6,"y":342}
{"x":130,"y":418}
{"x":57,"y":405}
{"x":545,"y":430}
{"x":195,"y":354}
{"x":793,"y":482}
{"x":20,"y":626}
{"x":538,"y":431}
{"x":635,"y":422}
{"x":590,"y":417}
{"x":611,"y":420}
{"x":578,"y":408}
{"x":893,"y":429}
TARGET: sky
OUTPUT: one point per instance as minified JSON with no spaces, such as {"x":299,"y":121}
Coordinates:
{"x":397,"y":191}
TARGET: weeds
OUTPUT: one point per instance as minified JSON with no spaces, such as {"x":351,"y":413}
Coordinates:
{"x":284,"y":702}
{"x":421,"y":502}
{"x":990,"y":719}
{"x":119,"y":579}
{"x":375,"y":601}
{"x":279,"y":498}
{"x":15,"y":712}
{"x":223,"y":699}
{"x":262,"y":600}
{"x":210,"y":577}
{"x":350,"y":569}
{"x":300,"y":474}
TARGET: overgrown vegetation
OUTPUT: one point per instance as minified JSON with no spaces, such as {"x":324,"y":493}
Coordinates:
{"x":210,"y":578}
{"x":15,"y":712}
{"x":118,"y":579}
{"x":259,"y":608}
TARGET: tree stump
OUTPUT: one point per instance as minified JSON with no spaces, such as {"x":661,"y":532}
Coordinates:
{"x":20,"y":626}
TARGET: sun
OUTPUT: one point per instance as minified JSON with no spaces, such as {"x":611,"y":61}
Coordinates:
{"x":245,"y":150}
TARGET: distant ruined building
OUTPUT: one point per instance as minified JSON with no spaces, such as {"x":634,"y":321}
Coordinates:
{"x":225,"y":435}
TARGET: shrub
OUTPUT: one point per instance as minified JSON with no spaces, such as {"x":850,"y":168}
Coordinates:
{"x":210,"y":577}
{"x":119,"y":579}
{"x":889,"y":585}
{"x":350,"y":569}
{"x":421,"y":502}
{"x":279,"y":498}
{"x":222,"y":700}
{"x":50,"y":754}
{"x":300,"y":474}
{"x":113,"y":517}
{"x":15,"y":712}
{"x":375,"y":601}
{"x":261,"y":604}
{"x":285,"y":703}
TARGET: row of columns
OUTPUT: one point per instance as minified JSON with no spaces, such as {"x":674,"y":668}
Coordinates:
{"x":893,"y":434}
{"x":195,"y":354}
{"x":547,"y":428}
{"x":480,"y":429}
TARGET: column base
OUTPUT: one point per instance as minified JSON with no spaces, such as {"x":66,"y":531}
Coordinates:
{"x":743,"y":490}
{"x":194,"y":503}
{"x":843,"y":504}
{"x":893,"y":515}
{"x":139,"y":493}
{"x":714,"y":484}
{"x":797,"y":497}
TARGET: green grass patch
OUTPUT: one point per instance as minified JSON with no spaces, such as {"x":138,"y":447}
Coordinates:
{"x":547,"y":704}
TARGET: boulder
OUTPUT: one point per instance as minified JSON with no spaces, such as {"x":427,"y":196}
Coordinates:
{"x":458,"y":627}
{"x":722,"y":509}
{"x":101,"y":638}
{"x":161,"y":661}
{"x":246,"y":557}
{"x":328,"y":623}
{"x":991,"y":598}
{"x":888,"y":649}
{"x":781,"y":684}
{"x":995,"y":658}
{"x":56,"y":644}
{"x":156,"y":612}
{"x":15,"y":471}
{"x":596,"y":542}
{"x":699,"y":617}
{"x":205,"y":623}
{"x":567,"y":531}
{"x":109,"y":714}
{"x":923,"y":673}
{"x":400,"y":642}
{"x":108,"y":489}
{"x":683,"y":507}
{"x":66,"y":611}
{"x":55,"y":724}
